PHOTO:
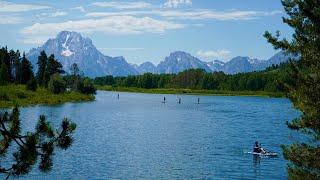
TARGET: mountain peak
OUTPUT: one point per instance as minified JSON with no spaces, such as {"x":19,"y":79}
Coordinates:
{"x":179,"y":53}
{"x":71,"y":47}
{"x":147,"y":67}
{"x":179,"y":61}
{"x":66,"y":32}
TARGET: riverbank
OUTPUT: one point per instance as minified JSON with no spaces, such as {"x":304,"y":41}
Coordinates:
{"x":192,"y":91}
{"x":11,"y":95}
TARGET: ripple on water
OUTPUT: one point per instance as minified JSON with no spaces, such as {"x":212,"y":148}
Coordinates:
{"x":138,"y":137}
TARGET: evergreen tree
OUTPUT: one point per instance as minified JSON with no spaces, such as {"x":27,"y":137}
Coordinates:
{"x":7,"y":62}
{"x":12,"y":57}
{"x":86,"y":86}
{"x":4,"y":77}
{"x":32,"y":84}
{"x":75,"y":76}
{"x":31,"y":147}
{"x":74,"y":70}
{"x":57,"y":84}
{"x":17,"y":68}
{"x":26,"y":70}
{"x":53,"y":67}
{"x":42,"y":65}
{"x":304,"y":18}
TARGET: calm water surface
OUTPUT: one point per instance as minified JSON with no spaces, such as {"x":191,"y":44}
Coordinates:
{"x":138,"y":137}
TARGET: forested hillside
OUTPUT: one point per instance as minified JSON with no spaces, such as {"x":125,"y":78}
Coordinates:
{"x":272,"y":79}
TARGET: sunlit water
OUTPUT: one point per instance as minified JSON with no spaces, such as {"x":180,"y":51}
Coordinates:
{"x":139,"y":137}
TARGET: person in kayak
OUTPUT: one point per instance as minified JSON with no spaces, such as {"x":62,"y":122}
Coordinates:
{"x":258,"y":149}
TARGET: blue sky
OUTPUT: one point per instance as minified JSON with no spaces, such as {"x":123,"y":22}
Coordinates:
{"x":148,"y":30}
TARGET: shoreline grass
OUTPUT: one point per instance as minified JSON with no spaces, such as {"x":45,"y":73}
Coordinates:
{"x":12,"y":95}
{"x":192,"y":91}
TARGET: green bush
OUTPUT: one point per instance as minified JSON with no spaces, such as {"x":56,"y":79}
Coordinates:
{"x":4,"y":96}
{"x":21,"y":95}
{"x":86,"y":86}
{"x":32,"y":84}
{"x":57,"y":84}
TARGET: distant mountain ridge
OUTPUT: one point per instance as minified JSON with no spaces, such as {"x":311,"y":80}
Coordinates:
{"x":179,"y":61}
{"x":71,"y":47}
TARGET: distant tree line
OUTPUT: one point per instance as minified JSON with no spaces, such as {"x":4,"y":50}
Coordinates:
{"x":15,"y":69}
{"x":272,"y":79}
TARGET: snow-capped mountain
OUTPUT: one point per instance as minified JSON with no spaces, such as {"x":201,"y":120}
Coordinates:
{"x":245,"y":64}
{"x":71,"y":47}
{"x":216,"y":65}
{"x":179,"y":61}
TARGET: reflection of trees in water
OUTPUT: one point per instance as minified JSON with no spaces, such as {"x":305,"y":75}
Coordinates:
{"x":256,"y":165}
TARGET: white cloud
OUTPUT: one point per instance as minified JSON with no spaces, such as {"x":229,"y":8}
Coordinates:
{"x":37,"y":40}
{"x":58,"y":13}
{"x":124,"y":49}
{"x":198,"y":14}
{"x":111,"y":25}
{"x":79,"y":8}
{"x":215,"y":15}
{"x":5,"y":19}
{"x":122,"y":13}
{"x":176,"y":3}
{"x":16,"y":7}
{"x":123,"y":5}
{"x":46,"y":15}
{"x":209,"y":55}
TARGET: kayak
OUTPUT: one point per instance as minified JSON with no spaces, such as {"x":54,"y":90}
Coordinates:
{"x":270,"y":154}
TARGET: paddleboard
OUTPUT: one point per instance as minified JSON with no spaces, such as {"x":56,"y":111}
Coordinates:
{"x":270,"y":154}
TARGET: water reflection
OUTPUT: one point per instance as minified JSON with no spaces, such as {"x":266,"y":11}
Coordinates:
{"x":256,"y":165}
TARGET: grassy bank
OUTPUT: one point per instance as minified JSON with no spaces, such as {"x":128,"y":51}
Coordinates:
{"x":11,"y":95}
{"x":192,"y":91}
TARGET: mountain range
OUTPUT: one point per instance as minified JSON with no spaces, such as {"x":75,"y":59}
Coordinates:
{"x":71,"y":47}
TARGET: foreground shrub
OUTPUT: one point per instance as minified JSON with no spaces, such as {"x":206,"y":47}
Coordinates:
{"x":31,"y":148}
{"x":32,"y":84}
{"x":57,"y":84}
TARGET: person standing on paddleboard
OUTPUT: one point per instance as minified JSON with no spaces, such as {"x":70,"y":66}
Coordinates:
{"x":257,"y":148}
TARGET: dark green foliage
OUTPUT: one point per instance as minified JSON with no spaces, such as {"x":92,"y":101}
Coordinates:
{"x":145,"y":81}
{"x":191,"y":79}
{"x":4,"y":77}
{"x":76,"y":82}
{"x":57,"y":84}
{"x":269,"y":80}
{"x":86,"y":86}
{"x":32,"y":84}
{"x":304,"y":18}
{"x":74,"y":79}
{"x":33,"y":145}
{"x":107,"y":80}
{"x":17,"y":68}
{"x":4,"y":96}
{"x":26,"y":70}
{"x":21,"y":95}
{"x":53,"y":67}
{"x":42,"y":65}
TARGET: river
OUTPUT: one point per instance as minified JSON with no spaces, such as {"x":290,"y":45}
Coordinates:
{"x":139,"y":137}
